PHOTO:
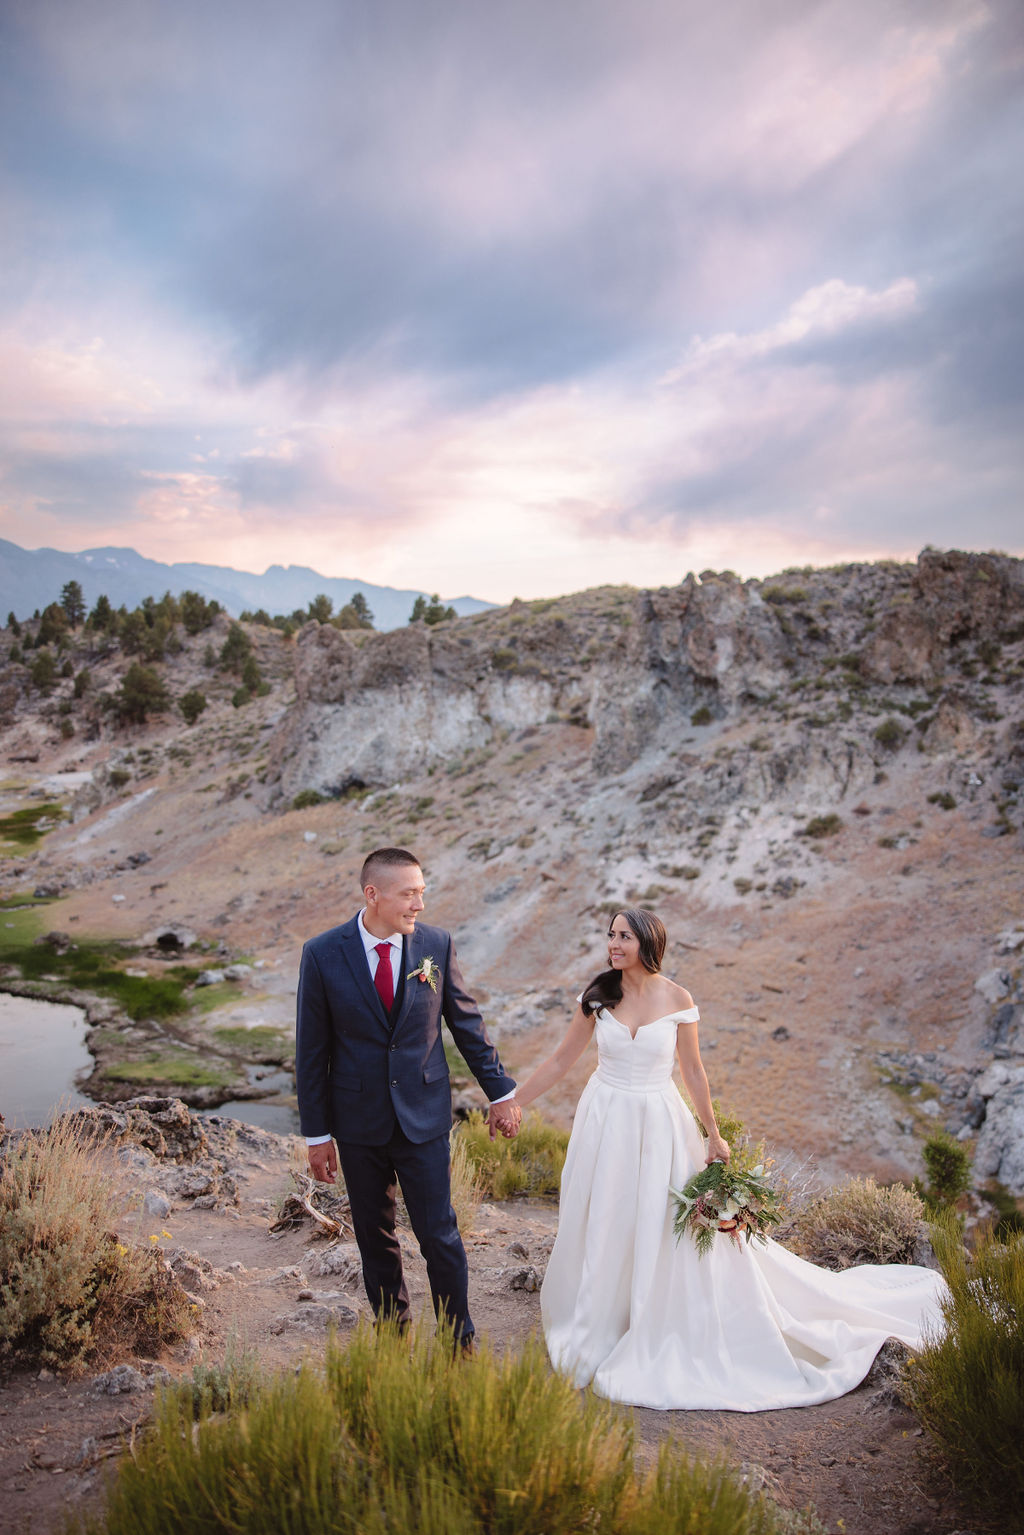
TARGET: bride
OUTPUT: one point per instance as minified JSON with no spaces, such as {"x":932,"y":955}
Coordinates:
{"x":642,"y":1316}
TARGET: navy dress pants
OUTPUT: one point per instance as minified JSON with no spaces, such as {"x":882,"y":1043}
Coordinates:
{"x":424,"y":1172}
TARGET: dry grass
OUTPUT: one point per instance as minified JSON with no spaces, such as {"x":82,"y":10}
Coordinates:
{"x":69,"y":1286}
{"x":530,"y":1164}
{"x":861,"y":1222}
{"x":467,"y":1186}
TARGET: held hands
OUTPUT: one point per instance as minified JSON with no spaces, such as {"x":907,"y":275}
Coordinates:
{"x":323,"y":1161}
{"x":717,"y":1149}
{"x":506,"y":1117}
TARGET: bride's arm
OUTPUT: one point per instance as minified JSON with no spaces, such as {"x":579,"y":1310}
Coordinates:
{"x":696,"y":1083}
{"x":554,"y":1068}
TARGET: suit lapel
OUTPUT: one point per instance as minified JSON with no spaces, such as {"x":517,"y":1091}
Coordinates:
{"x":355,"y":955}
{"x":412,"y":953}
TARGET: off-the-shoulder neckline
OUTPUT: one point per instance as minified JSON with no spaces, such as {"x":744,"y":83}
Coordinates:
{"x":680,"y":1013}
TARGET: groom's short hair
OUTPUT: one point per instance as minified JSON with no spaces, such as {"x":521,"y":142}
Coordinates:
{"x":385,"y":858}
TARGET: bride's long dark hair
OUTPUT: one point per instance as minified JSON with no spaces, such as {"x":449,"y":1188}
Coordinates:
{"x":606,"y":989}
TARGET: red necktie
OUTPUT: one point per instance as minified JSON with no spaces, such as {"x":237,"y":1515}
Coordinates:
{"x":384,"y":979}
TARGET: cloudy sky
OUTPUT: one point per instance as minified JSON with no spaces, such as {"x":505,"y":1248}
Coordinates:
{"x":512,"y":296}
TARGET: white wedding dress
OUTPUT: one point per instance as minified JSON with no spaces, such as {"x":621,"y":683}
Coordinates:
{"x":643,"y":1318}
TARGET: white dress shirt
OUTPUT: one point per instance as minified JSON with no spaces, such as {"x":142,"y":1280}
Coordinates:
{"x":372,"y":957}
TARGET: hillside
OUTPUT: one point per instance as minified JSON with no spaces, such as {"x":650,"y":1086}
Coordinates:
{"x":814,"y":779}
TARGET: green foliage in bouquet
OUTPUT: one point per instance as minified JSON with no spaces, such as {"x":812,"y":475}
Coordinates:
{"x":720,"y":1199}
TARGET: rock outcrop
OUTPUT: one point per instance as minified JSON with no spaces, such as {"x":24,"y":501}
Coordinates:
{"x":644,"y":669}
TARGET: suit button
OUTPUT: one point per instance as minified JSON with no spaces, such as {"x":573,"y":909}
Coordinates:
{"x":394,"y":1081}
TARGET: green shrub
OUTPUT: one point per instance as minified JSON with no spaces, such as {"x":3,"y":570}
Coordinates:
{"x":530,"y":1164}
{"x":192,"y":705}
{"x":889,"y":733}
{"x":306,"y":799}
{"x":943,"y":799}
{"x":967,"y":1386}
{"x":390,"y":1439}
{"x":949,"y":1171}
{"x":236,"y":649}
{"x":701,"y":716}
{"x":141,"y":694}
{"x":44,"y":672}
{"x":823,"y":825}
{"x":778,"y":595}
{"x":862,"y":1222}
{"x":67,"y":1283}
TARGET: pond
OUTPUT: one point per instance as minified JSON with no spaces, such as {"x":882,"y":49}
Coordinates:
{"x":42,"y":1051}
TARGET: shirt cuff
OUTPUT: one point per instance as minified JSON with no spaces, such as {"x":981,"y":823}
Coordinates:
{"x":317,"y":1140}
{"x":504,"y":1097}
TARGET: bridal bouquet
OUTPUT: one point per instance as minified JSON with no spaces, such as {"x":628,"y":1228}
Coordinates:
{"x":717,"y":1199}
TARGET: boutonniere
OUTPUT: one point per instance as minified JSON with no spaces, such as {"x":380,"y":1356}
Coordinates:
{"x":427,"y":971}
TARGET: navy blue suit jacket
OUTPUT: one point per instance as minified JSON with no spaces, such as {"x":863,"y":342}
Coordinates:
{"x":356,"y":1074}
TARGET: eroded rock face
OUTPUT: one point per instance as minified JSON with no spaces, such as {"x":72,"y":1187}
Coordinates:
{"x":163,"y":1126}
{"x":951,"y":597}
{"x":373,"y":709}
{"x":1000,"y":1149}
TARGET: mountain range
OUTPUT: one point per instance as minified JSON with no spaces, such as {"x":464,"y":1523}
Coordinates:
{"x":31,"y":578}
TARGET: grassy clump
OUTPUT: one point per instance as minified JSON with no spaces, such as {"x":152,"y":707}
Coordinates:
{"x":967,"y":1386}
{"x":889,"y":733}
{"x":823,"y":825}
{"x":68,"y":1285}
{"x":93,"y":967}
{"x":530,"y":1164}
{"x":862,"y":1222}
{"x":24,"y":828}
{"x":390,"y":1438}
{"x":306,"y":798}
{"x":171,"y":1066}
{"x":263,"y":1042}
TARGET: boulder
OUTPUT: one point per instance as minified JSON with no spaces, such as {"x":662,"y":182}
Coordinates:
{"x":994,"y":985}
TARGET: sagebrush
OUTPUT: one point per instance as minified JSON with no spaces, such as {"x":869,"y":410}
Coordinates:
{"x":861,"y":1222}
{"x":392,"y":1436}
{"x":68,"y":1285}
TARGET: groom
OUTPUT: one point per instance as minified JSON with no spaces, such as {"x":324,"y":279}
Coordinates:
{"x":370,"y":1071}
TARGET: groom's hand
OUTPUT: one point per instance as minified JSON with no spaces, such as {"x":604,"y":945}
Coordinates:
{"x":323,"y":1161}
{"x":506,"y":1117}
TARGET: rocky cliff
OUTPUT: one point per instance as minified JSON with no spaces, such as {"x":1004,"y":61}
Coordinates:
{"x":642,"y":670}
